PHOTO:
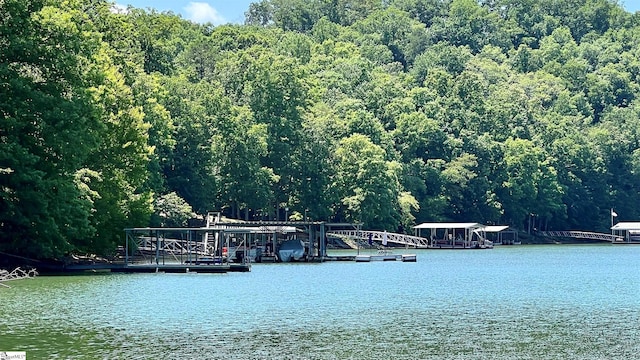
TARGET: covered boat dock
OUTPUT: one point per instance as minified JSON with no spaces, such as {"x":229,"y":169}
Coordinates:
{"x":626,"y":233}
{"x":454,"y":235}
{"x":501,"y":235}
{"x":227,"y":242}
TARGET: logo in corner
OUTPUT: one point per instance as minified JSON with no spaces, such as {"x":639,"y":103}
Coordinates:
{"x":13,"y":355}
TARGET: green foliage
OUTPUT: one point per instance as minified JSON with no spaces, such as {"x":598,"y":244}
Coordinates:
{"x":170,"y":210}
{"x":368,"y":186}
{"x":531,"y":185}
{"x":76,"y":148}
{"x":45,"y":114}
{"x":386,"y":113}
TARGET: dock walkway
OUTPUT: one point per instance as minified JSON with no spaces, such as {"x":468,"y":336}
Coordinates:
{"x":580,"y":235}
{"x":381,"y":236}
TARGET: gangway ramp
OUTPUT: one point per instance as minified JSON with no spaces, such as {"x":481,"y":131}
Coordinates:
{"x":379,"y":236}
{"x":580,"y":235}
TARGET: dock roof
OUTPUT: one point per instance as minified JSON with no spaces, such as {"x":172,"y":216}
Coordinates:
{"x":495,"y":228}
{"x":626,"y":226}
{"x":220,"y":228}
{"x":447,"y":226}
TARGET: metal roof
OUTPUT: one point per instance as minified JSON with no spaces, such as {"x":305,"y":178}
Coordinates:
{"x":626,"y":226}
{"x":495,"y":228}
{"x":447,"y":226}
{"x":222,"y":228}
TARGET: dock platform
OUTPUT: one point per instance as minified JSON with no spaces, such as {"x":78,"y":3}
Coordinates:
{"x":386,"y":257}
{"x":339,"y":258}
{"x":165,"y":268}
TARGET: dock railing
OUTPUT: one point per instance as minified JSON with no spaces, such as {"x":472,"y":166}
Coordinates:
{"x":580,"y":235}
{"x":378,"y":236}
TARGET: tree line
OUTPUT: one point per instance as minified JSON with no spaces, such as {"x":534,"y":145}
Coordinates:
{"x":387,"y":113}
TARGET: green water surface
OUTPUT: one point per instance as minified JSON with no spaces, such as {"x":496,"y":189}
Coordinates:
{"x":512,"y":302}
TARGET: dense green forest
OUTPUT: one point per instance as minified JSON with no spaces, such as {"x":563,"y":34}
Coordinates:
{"x":387,"y":112}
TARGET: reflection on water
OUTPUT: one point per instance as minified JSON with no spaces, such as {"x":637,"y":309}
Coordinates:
{"x":525,"y":302}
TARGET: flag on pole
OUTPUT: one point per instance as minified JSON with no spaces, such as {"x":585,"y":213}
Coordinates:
{"x":613,"y":213}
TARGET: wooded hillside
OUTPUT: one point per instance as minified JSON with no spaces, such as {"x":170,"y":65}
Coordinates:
{"x":388,"y":113}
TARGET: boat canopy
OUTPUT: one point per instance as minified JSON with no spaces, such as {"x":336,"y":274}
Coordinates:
{"x":264,"y":229}
{"x":448,"y":226}
{"x":624,"y":226}
{"x":495,"y":228}
{"x":257,"y":229}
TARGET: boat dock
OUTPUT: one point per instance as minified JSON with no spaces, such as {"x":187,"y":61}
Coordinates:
{"x":221,"y":247}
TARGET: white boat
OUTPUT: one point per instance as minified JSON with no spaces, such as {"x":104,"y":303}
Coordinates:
{"x":482,"y":244}
{"x":291,"y":250}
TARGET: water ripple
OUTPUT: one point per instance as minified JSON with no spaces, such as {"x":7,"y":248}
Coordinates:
{"x":517,"y":302}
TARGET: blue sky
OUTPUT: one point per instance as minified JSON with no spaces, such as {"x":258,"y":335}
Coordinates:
{"x":201,"y":11}
{"x":232,"y":11}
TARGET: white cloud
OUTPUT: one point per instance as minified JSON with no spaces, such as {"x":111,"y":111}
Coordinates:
{"x":119,"y":9}
{"x":202,"y":12}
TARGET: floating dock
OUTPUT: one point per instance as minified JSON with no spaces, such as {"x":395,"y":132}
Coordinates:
{"x":386,"y":257}
{"x":184,"y":268}
{"x":157,"y":268}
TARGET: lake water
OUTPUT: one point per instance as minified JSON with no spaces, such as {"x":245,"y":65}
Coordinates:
{"x":512,"y":302}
